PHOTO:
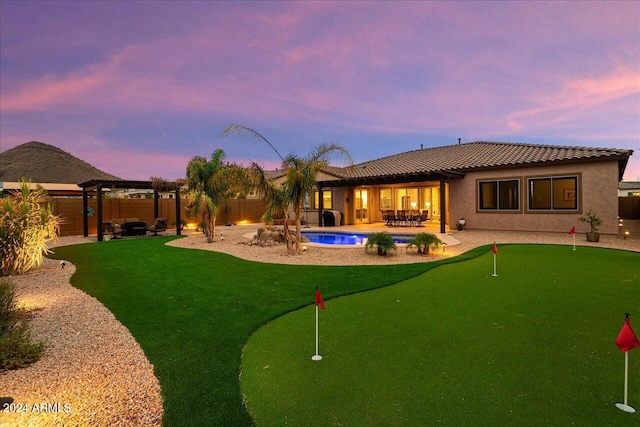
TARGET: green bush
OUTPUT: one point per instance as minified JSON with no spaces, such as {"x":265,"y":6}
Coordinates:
{"x":8,"y":311}
{"x":382,"y":241}
{"x":424,"y":241}
{"x":26,"y":224}
{"x":16,"y":349}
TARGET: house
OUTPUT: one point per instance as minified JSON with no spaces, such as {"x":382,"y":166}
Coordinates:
{"x":492,"y":185}
{"x":629,"y":189}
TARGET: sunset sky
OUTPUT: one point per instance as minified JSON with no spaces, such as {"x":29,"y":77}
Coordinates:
{"x":138,"y":88}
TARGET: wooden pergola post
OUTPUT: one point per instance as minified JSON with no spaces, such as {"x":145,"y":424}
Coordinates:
{"x":178,"y":219}
{"x":99,"y":217}
{"x":85,"y":214}
{"x":155,"y":204}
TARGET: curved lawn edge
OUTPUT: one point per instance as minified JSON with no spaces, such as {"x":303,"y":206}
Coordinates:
{"x":593,"y":329}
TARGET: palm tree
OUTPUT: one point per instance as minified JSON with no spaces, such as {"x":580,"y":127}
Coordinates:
{"x":300,"y":173}
{"x":211,"y":184}
{"x":275,"y":198}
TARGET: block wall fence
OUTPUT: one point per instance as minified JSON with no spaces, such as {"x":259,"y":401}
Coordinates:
{"x":70,"y":211}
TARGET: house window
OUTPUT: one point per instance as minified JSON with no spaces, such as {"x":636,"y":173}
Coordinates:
{"x":554,"y":193}
{"x":385,"y":198}
{"x":326,"y":200}
{"x":502,"y":195}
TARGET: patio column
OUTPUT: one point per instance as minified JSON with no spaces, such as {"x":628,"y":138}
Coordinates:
{"x":320,"y":206}
{"x":444,"y":208}
{"x":99,"y":217}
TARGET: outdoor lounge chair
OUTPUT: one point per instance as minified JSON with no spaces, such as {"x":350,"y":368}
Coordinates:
{"x":160,"y":224}
{"x":110,"y":229}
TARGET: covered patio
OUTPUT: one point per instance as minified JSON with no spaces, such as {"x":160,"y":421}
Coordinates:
{"x":353,"y":187}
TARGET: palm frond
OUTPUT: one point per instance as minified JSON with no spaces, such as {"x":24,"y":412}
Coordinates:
{"x":252,"y":133}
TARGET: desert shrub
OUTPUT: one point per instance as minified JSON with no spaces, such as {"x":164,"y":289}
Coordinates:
{"x":26,"y":224}
{"x":8,"y":311}
{"x":424,"y":241}
{"x":382,"y":241}
{"x":16,"y":349}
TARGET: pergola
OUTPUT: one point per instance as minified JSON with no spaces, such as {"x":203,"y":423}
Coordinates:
{"x":99,"y":185}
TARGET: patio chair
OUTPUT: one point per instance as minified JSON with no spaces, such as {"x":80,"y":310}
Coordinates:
{"x":391,"y":217}
{"x":160,"y":224}
{"x":422,"y":218}
{"x":413,"y":216}
{"x":402,"y":216}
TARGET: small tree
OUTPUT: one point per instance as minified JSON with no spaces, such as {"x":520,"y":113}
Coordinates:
{"x":382,"y":242}
{"x":26,"y":224}
{"x":424,"y":241}
{"x":592,"y":219}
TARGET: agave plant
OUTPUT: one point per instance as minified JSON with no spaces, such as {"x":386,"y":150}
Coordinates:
{"x":382,"y":241}
{"x":424,"y":241}
{"x":26,"y":224}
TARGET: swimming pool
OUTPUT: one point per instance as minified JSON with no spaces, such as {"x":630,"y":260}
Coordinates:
{"x":337,"y":238}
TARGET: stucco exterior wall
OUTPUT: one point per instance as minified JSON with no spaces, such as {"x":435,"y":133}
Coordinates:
{"x":597,"y":190}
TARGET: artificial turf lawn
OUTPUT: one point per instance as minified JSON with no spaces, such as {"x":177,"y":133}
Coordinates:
{"x":455,"y":346}
{"x":192,"y":312}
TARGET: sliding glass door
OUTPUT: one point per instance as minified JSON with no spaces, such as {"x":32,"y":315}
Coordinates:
{"x":362,"y":205}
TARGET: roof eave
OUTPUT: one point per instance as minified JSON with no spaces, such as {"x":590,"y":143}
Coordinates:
{"x":392,"y":179}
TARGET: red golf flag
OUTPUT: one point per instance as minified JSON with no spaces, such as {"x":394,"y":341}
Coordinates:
{"x":573,"y":230}
{"x":319,"y":300}
{"x":627,"y":340}
{"x":495,"y":248}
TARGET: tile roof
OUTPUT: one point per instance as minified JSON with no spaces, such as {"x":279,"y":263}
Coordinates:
{"x":470,"y":156}
{"x":629,"y":185}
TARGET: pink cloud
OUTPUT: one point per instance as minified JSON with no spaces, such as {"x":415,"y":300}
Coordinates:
{"x":133,"y":165}
{"x":575,"y":98}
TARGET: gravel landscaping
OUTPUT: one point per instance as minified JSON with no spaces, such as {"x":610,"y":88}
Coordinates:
{"x":94,"y":373}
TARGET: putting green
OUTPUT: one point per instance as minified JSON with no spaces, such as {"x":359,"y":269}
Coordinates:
{"x":456,"y":346}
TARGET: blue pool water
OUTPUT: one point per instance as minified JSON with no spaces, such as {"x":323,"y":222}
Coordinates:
{"x":337,"y":238}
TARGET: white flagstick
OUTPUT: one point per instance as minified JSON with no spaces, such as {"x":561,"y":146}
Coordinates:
{"x":316,"y":356}
{"x":574,"y":241}
{"x":624,"y":406}
{"x":495,"y":274}
{"x":494,"y":250}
